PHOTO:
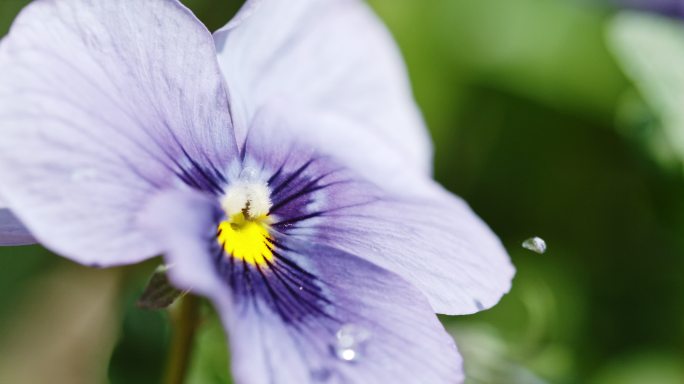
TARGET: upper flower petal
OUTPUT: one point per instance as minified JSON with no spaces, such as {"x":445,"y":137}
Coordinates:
{"x":312,"y":315}
{"x":101,"y":103}
{"x":329,"y":57}
{"x":429,"y":237}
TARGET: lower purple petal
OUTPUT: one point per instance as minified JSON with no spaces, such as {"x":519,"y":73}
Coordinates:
{"x":378,"y":329}
{"x":340,"y":320}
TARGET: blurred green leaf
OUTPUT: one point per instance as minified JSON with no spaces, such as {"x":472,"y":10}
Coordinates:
{"x":140,"y":355}
{"x":8,"y":10}
{"x":643,"y":368}
{"x":19,"y":268}
{"x":549,"y":51}
{"x":210,"y":357}
{"x":650,"y":49}
{"x":487,"y":358}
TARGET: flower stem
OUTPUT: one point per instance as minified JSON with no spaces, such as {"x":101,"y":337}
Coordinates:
{"x":184,"y":320}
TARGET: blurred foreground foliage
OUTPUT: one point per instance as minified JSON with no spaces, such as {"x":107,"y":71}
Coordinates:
{"x":549,"y":122}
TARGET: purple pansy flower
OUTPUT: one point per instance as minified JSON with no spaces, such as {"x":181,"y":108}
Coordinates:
{"x":288,"y":181}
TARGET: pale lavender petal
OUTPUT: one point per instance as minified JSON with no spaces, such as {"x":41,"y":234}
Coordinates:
{"x":283,"y":319}
{"x":12,"y":231}
{"x":184,"y":221}
{"x":101,"y":104}
{"x":400,"y":339}
{"x":436,"y":242}
{"x":331,"y":59}
{"x":344,"y":139}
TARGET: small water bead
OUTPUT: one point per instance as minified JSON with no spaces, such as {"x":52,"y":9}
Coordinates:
{"x":535,"y":244}
{"x":350,"y":334}
{"x":347,"y":354}
{"x":350,"y":341}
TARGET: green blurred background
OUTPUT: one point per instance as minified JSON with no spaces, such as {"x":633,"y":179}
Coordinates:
{"x":550,"y":119}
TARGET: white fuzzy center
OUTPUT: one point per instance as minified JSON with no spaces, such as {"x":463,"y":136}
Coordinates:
{"x":253,"y":198}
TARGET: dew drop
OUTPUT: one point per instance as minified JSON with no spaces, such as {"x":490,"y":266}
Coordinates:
{"x":301,"y":288}
{"x":535,"y":244}
{"x":347,"y":354}
{"x":350,"y":341}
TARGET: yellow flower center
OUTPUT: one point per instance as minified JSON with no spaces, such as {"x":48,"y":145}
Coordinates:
{"x":247,"y":238}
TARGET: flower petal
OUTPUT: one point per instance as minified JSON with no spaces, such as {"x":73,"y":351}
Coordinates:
{"x":332,"y":57}
{"x":349,"y":143}
{"x":286,"y":336}
{"x":183,"y":221}
{"x":102,"y":103}
{"x":436,"y":242}
{"x":12,"y":231}
{"x":417,"y":229}
{"x":406,"y":342}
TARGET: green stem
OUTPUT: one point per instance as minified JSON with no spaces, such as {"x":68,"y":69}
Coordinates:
{"x":185,"y":320}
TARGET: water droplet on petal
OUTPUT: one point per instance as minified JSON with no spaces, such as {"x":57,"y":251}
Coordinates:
{"x":347,"y":354}
{"x":83,"y":175}
{"x":350,"y":342}
{"x":535,"y":244}
{"x":301,"y":288}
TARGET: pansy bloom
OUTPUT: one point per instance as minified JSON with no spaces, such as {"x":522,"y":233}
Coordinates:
{"x":280,"y":166}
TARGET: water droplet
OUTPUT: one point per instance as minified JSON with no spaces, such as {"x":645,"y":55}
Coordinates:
{"x":535,"y":244}
{"x":249,"y":174}
{"x":301,"y":288}
{"x":350,"y":342}
{"x":84,"y":174}
{"x":347,"y":354}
